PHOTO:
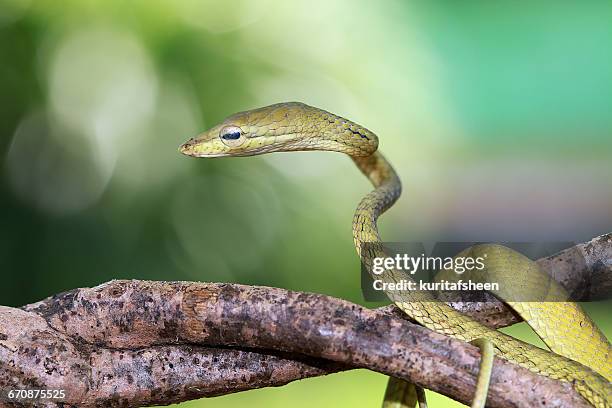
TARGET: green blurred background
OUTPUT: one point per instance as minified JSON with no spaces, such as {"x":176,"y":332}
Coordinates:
{"x":497,"y":117}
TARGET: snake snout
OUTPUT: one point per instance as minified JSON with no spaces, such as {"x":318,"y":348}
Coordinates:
{"x":187,"y":147}
{"x":193,"y":147}
{"x":208,"y":144}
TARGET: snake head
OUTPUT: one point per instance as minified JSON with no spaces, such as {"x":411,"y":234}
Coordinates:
{"x":281,"y":127}
{"x":258,"y":131}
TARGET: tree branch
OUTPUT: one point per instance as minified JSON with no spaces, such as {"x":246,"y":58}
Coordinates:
{"x":134,"y":343}
{"x":33,"y":355}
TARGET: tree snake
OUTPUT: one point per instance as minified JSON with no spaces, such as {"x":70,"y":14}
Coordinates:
{"x":583,"y":355}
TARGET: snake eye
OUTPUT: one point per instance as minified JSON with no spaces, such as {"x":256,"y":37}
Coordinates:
{"x":232,"y":136}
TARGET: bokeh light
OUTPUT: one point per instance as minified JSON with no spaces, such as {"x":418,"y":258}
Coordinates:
{"x":102,"y":84}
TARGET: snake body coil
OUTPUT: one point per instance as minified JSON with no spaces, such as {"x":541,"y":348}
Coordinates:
{"x":584,"y":353}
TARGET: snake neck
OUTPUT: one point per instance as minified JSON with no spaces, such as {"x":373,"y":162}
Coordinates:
{"x":386,"y":192}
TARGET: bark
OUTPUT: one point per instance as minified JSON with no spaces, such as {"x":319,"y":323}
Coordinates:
{"x":136,"y":343}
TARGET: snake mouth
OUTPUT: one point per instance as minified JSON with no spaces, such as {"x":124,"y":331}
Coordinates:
{"x":195,"y":148}
{"x":206,"y":155}
{"x":254,"y":146}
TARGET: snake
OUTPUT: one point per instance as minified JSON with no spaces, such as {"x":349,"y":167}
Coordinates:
{"x":580,"y":354}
